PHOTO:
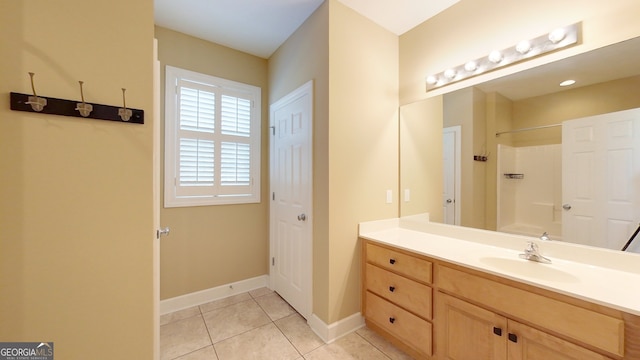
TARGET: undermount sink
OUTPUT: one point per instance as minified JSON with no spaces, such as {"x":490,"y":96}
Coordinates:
{"x":528,"y":268}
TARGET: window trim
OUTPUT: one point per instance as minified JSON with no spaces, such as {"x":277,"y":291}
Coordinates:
{"x":171,"y":144}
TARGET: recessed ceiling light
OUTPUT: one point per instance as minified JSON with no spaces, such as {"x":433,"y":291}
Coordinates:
{"x":567,"y":83}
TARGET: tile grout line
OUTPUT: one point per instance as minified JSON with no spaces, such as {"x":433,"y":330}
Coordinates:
{"x":374,"y":345}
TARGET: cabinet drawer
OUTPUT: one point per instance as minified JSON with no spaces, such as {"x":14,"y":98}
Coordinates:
{"x":404,"y":292}
{"x":407,"y":265}
{"x":590,"y":327}
{"x":407,"y":327}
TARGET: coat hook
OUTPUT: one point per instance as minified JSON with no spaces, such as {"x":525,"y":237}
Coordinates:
{"x":84,"y":108}
{"x":123,"y":112}
{"x":37,"y":103}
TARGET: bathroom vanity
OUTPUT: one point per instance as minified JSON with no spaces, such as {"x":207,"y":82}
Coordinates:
{"x":444,"y":292}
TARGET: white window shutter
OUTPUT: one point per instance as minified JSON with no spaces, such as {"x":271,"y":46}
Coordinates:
{"x":212,"y":142}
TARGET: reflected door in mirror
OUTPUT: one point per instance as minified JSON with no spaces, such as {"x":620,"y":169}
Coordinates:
{"x":601,"y":168}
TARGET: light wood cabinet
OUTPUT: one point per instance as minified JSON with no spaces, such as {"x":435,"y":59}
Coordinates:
{"x":398,"y":299}
{"x":466,"y":331}
{"x":581,"y":322}
{"x":433,"y":309}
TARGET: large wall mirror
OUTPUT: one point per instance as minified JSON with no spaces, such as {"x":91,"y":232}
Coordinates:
{"x":521,"y":154}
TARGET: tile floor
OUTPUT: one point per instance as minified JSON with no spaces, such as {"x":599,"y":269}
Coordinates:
{"x":259,"y":325}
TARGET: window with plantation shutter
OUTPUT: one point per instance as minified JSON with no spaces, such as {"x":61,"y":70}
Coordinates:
{"x":212,"y":140}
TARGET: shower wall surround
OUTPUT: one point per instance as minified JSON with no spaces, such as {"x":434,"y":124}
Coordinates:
{"x":530,"y":190}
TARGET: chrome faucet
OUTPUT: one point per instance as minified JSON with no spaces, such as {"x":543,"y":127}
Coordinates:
{"x":545,"y":237}
{"x":532,"y":253}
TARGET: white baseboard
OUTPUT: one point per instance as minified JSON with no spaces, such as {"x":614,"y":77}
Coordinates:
{"x":330,"y":333}
{"x":216,"y":293}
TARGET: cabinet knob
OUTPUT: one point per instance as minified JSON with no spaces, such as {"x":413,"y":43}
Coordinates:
{"x":392,"y":261}
{"x":392,"y":288}
{"x":513,"y":337}
{"x":392,"y":320}
{"x":497,"y":331}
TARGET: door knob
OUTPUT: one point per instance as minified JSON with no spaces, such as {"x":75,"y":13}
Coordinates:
{"x":566,"y":207}
{"x":449,"y":201}
{"x":302,"y":217}
{"x":161,"y":232}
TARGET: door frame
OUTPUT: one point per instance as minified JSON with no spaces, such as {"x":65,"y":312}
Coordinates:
{"x":457,"y":131}
{"x":305,"y":89}
{"x":156,"y":201}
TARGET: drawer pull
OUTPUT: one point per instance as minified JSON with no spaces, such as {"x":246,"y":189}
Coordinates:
{"x":392,"y":288}
{"x":392,"y":261}
{"x":497,"y":331}
{"x":513,"y":337}
{"x":392,"y":320}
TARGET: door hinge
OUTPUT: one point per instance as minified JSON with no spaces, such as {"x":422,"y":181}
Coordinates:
{"x":273,"y":196}
{"x":273,"y":130}
{"x":273,"y":261}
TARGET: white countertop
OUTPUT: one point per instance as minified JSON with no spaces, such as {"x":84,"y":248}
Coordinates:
{"x":606,"y":277}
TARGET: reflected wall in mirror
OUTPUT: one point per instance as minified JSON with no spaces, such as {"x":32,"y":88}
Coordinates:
{"x":527,"y":200}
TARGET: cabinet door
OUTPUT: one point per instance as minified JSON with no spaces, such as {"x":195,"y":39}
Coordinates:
{"x":466,"y":331}
{"x":526,"y":343}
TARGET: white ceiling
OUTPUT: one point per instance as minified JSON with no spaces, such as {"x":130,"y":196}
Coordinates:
{"x":259,"y":27}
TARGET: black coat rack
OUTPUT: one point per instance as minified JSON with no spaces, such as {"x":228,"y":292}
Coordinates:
{"x":54,"y":106}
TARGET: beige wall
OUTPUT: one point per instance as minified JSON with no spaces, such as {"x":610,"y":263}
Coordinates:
{"x":76,"y":208}
{"x":471,"y":28}
{"x":498,"y":118}
{"x":467,"y":108}
{"x":421,"y":131}
{"x":353,"y":63}
{"x":303,"y":57}
{"x":363,"y":144}
{"x":211,"y":246}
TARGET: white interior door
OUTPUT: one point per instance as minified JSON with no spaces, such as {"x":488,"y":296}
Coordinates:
{"x":291,"y":196}
{"x":451,"y":172}
{"x":601,"y":168}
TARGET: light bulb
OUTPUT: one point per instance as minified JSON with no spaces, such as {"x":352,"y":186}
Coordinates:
{"x":495,"y":56}
{"x":557,"y":35}
{"x":471,"y":66}
{"x":523,"y":47}
{"x":431,"y":79}
{"x":450,"y":74}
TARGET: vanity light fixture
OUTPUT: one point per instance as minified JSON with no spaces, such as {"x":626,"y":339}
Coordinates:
{"x":523,"y":50}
